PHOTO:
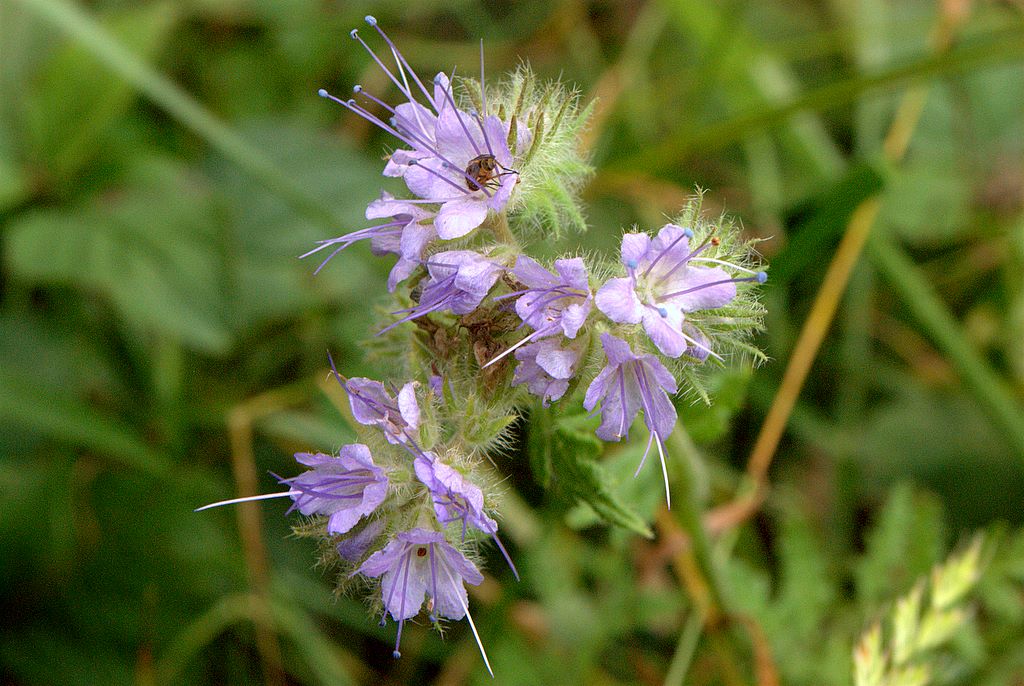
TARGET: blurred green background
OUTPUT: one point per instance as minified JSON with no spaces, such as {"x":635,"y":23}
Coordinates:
{"x":162,"y":164}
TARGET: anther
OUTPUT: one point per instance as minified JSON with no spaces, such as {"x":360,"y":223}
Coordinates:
{"x":353,"y":34}
{"x":688,"y":232}
{"x":396,"y":654}
{"x":715,"y":240}
{"x":762,"y":277}
{"x":370,"y":19}
{"x":632,"y":264}
{"x":357,"y":88}
{"x":663,"y":312}
{"x":323,"y":93}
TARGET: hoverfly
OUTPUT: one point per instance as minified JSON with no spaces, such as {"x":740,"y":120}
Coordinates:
{"x":484,"y":171}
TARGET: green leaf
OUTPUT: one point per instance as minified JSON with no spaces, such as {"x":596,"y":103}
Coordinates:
{"x":68,"y":420}
{"x":151,"y":250}
{"x":76,"y":99}
{"x":571,"y":449}
{"x":904,"y":544}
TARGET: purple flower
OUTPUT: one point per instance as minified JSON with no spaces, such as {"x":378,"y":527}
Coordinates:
{"x":628,"y":384}
{"x":353,"y":547}
{"x":460,"y":160}
{"x":418,"y":563}
{"x":372,"y":405}
{"x":550,"y":304}
{"x":407,"y":235}
{"x":664,"y":284}
{"x":343,"y":488}
{"x":456,"y":500}
{"x":546,"y":368}
{"x":458,"y":280}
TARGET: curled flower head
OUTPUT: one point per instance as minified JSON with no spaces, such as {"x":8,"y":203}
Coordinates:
{"x":546,"y":368}
{"x":418,"y":563}
{"x":457,"y":159}
{"x":397,"y":417}
{"x":628,"y":384}
{"x":344,"y":488}
{"x":458,"y":281}
{"x":664,"y":283}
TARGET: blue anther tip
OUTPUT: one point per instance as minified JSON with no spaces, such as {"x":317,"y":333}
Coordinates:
{"x":396,"y":655}
{"x":353,"y":33}
{"x":370,"y":19}
{"x":762,"y":277}
{"x":632,"y":264}
{"x":663,"y":312}
{"x":688,"y":233}
{"x":357,"y":88}
{"x":323,"y":93}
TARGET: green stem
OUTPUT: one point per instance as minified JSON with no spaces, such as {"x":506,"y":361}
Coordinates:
{"x":936,"y":321}
{"x":78,"y":25}
{"x":499,"y":225}
{"x":685,"y":650}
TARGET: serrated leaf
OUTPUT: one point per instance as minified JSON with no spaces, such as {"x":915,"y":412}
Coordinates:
{"x":574,"y":450}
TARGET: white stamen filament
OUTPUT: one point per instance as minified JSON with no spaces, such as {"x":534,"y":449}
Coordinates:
{"x":512,"y":349}
{"x":724,"y":264}
{"x":247,"y":499}
{"x":469,"y":618}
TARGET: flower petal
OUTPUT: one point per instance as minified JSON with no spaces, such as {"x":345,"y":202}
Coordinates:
{"x":532,"y":274}
{"x":704,"y":297}
{"x":634,"y":248}
{"x":574,"y":317}
{"x":664,"y":331}
{"x":617,"y":299}
{"x":460,"y":216}
{"x":573,"y":273}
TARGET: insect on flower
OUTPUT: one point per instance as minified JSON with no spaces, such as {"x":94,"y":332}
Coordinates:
{"x":482,"y":171}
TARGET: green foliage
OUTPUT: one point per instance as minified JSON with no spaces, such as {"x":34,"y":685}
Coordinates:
{"x":564,"y":452}
{"x":163,"y":164}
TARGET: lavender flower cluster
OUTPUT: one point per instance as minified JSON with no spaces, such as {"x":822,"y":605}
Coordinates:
{"x":480,"y":326}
